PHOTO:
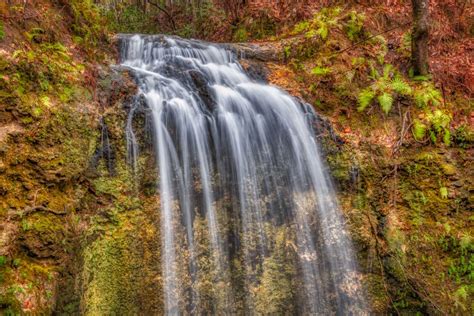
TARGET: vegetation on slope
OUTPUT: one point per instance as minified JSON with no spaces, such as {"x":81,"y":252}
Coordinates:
{"x":403,"y":168}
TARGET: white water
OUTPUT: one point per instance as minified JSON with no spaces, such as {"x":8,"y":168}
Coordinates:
{"x":244,"y":155}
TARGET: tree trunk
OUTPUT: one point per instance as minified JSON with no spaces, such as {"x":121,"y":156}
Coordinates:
{"x":419,"y":42}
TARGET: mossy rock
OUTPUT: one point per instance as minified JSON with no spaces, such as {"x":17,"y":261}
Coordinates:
{"x":43,"y":236}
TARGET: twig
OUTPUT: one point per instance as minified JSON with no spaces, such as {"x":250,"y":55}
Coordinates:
{"x":156,"y":5}
{"x":403,"y":131}
{"x":37,"y":208}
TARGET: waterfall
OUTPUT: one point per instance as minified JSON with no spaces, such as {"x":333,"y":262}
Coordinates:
{"x":246,"y":203}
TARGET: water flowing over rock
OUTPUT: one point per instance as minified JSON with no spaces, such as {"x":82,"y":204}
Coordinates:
{"x":249,"y":219}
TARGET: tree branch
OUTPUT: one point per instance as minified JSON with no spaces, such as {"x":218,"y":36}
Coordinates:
{"x":159,"y":7}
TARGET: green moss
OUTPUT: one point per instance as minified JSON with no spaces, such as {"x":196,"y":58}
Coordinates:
{"x":377,"y":292}
{"x":120,"y":269}
{"x":340,"y":164}
{"x":275,"y":294}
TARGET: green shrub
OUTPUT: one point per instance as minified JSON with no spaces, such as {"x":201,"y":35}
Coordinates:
{"x":47,"y":67}
{"x":240,"y":35}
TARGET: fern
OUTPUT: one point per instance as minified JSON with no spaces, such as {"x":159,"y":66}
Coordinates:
{"x":320,"y":71}
{"x":400,"y":86}
{"x":354,"y":25}
{"x":387,"y":71}
{"x":427,"y":95}
{"x":323,"y":31}
{"x":439,"y":125}
{"x":419,"y":130}
{"x":439,"y":120}
{"x":385,"y":101}
{"x":447,"y":137}
{"x":300,"y":28}
{"x":365,"y":98}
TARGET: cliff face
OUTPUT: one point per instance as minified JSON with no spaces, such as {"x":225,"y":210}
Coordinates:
{"x":75,"y":237}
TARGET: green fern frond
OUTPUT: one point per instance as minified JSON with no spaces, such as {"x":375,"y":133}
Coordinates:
{"x":311,"y":33}
{"x":439,"y":120}
{"x":387,"y":70}
{"x":385,"y":101}
{"x":433,"y":96}
{"x":365,"y":98}
{"x":427,"y":95}
{"x":320,"y":71}
{"x":447,"y":137}
{"x":433,"y":136}
{"x":419,"y":130}
{"x":374,"y":74}
{"x":400,"y":86}
{"x":300,"y":28}
{"x":323,"y":31}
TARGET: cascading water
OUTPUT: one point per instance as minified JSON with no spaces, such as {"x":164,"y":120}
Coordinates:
{"x":249,"y":218}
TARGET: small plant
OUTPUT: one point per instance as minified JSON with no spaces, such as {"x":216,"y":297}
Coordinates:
{"x":320,"y":25}
{"x":435,"y":124}
{"x":287,"y":51}
{"x":463,"y":136}
{"x":240,"y":35}
{"x":427,"y":95}
{"x":354,"y":25}
{"x":419,"y":130}
{"x":320,"y":71}
{"x":384,"y":89}
{"x":443,"y":191}
{"x":460,"y":297}
{"x":16,"y":262}
{"x":36,"y":35}
{"x":439,"y":126}
{"x":25,"y":226}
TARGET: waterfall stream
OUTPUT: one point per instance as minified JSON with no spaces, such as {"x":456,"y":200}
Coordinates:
{"x":249,"y":219}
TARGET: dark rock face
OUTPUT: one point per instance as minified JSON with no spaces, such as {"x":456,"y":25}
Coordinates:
{"x":256,"y":70}
{"x":104,"y":150}
{"x":202,"y":88}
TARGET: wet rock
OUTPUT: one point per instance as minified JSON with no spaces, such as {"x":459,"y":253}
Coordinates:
{"x":203,"y":89}
{"x":255,"y":69}
{"x":458,"y":184}
{"x":261,"y":51}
